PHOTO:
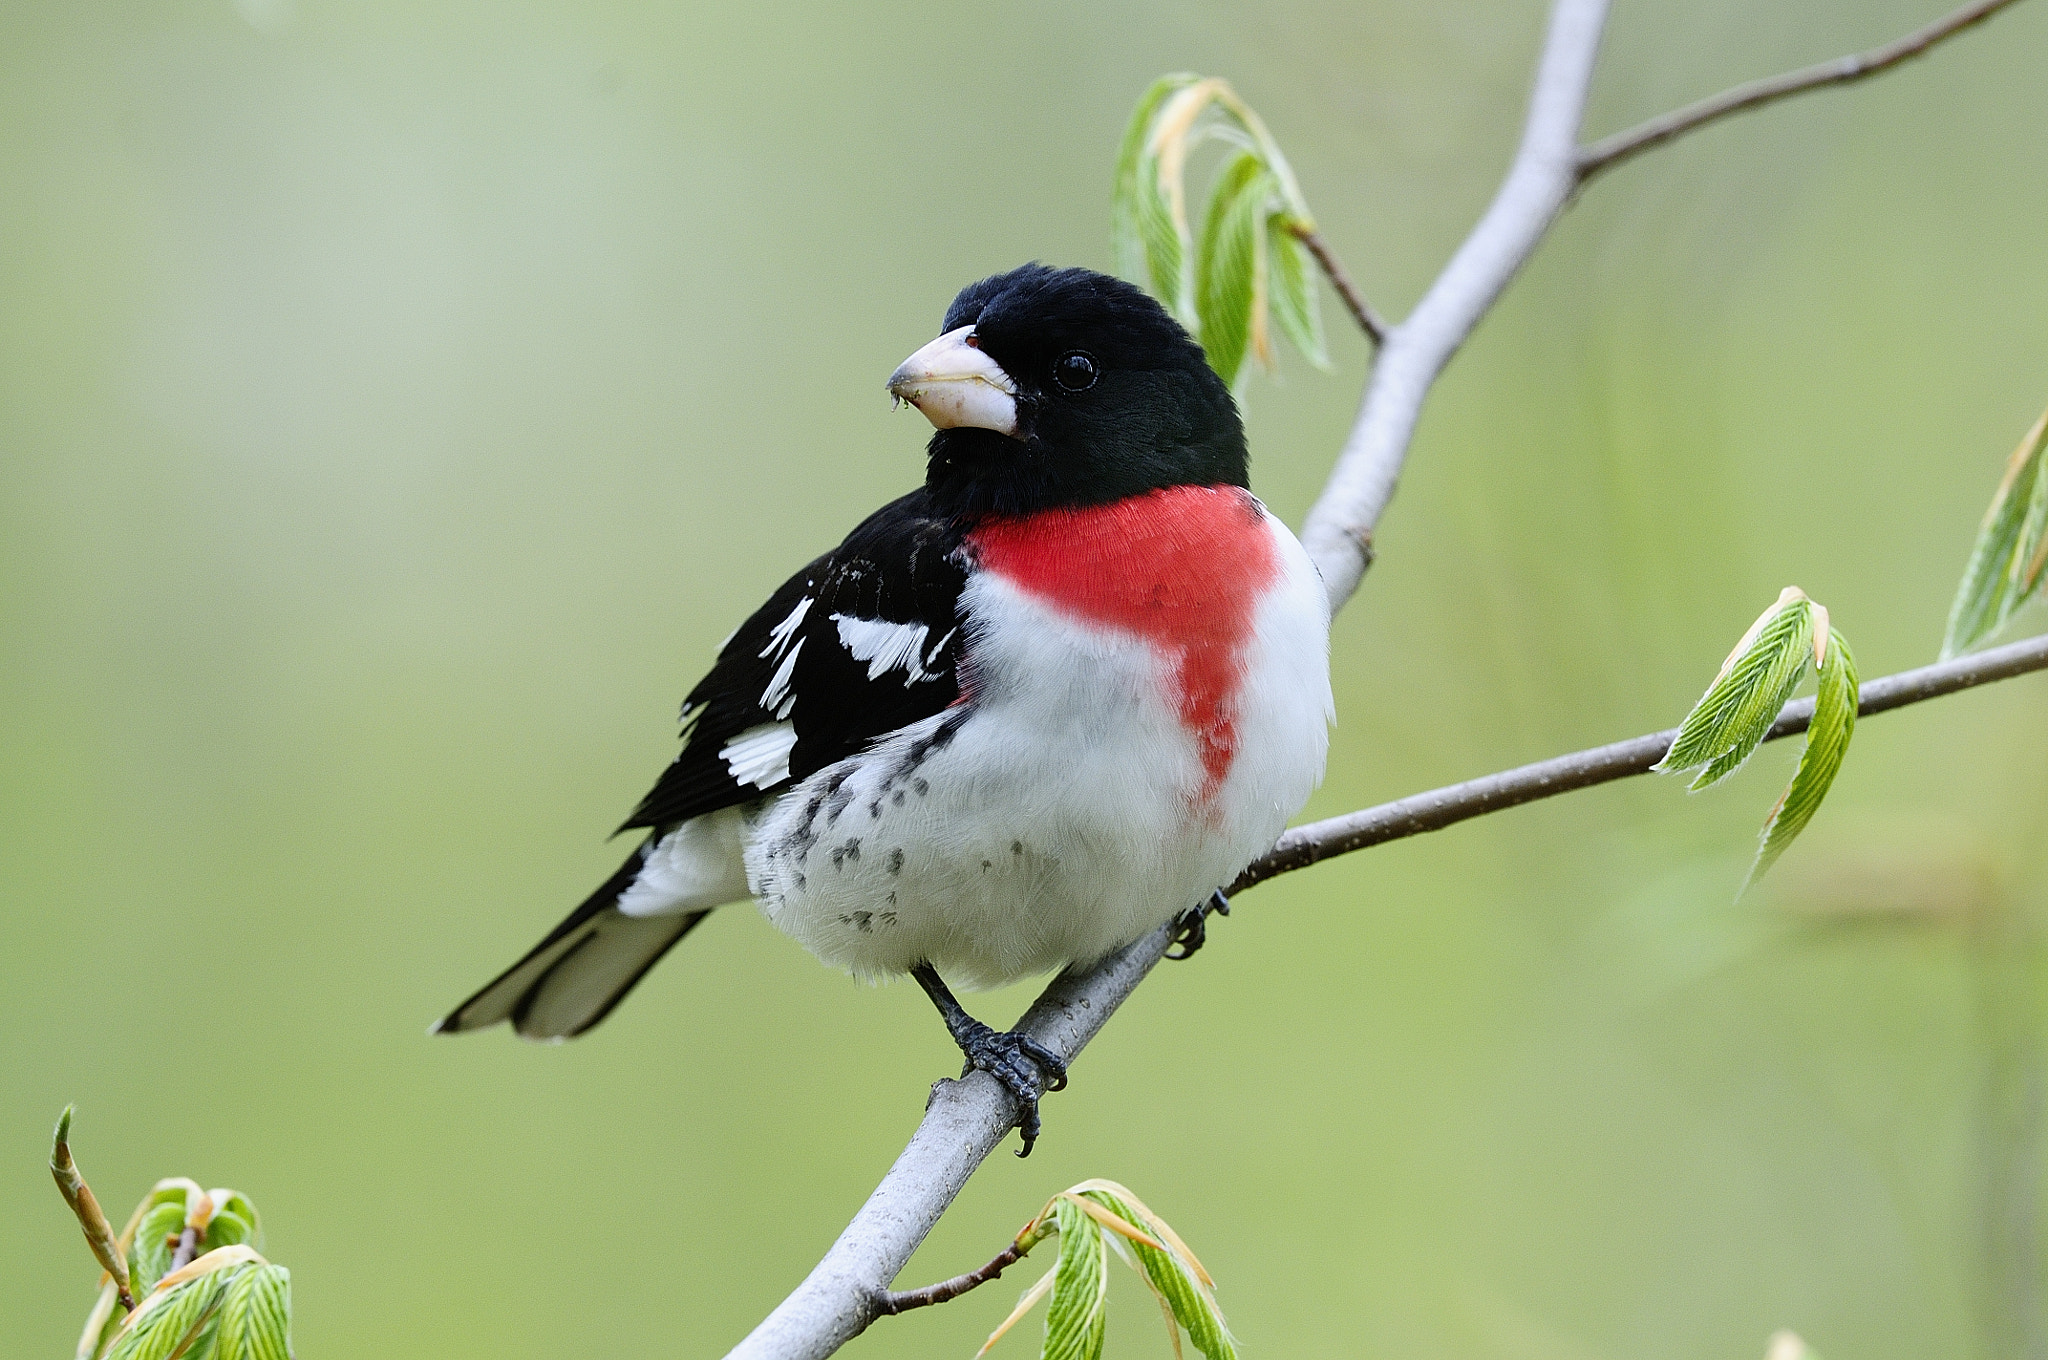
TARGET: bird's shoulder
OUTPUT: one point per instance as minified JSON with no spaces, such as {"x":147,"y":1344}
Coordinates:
{"x":862,"y":641}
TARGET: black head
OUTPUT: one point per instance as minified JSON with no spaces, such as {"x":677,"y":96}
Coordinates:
{"x":1067,"y":387}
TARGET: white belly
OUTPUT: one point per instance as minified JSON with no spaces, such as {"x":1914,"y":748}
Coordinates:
{"x":1062,"y":811}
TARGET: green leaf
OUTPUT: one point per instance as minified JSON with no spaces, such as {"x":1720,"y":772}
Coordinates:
{"x":241,"y":1206}
{"x":1216,"y":280}
{"x":2005,"y":563}
{"x":2024,"y":572}
{"x":1077,"y":1319}
{"x":1295,"y":304}
{"x":225,"y":1230}
{"x":237,"y":1203}
{"x":1270,"y":155}
{"x":172,"y":1323}
{"x":1177,"y":128}
{"x":155,"y":1242}
{"x":1166,"y":246}
{"x":1030,"y":1300}
{"x":1230,"y":265}
{"x":1127,"y":198}
{"x":1732,"y":718}
{"x":1738,"y":710}
{"x":1174,"y":1278}
{"x":173,"y":1190}
{"x":1827,"y":741}
{"x":256,"y":1316}
{"x":95,"y":1330}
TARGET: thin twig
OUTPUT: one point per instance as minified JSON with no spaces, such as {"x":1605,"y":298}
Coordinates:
{"x":1439,"y":808}
{"x":187,"y":1248}
{"x":1611,"y":151}
{"x":1369,"y":321}
{"x":899,"y":1301}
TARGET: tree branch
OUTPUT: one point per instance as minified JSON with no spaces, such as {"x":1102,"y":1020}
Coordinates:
{"x":1439,"y":808}
{"x":962,"y":1124}
{"x":1611,"y":151}
{"x":1339,"y":529}
{"x":966,"y":1119}
{"x":1548,"y":170}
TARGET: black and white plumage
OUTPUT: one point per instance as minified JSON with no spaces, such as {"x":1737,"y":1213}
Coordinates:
{"x":1020,"y":717}
{"x":860,"y":643}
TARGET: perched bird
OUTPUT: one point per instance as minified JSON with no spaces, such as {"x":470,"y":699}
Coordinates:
{"x":1022,"y":716}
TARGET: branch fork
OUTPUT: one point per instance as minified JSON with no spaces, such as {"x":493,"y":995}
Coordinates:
{"x":966,"y":1119}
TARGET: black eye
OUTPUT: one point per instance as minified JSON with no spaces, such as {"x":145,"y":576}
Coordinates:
{"x":1074,"y":371}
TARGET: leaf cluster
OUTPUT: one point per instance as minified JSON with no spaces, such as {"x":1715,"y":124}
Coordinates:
{"x":1738,"y":710}
{"x":1092,"y":1220}
{"x":229,"y":1304}
{"x":223,"y":1301}
{"x":1246,"y":270}
{"x":2006,"y":568}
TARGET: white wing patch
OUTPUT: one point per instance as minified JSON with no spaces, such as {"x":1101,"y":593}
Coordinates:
{"x":776,"y":698}
{"x":889,"y":646}
{"x":780,"y":634}
{"x":760,"y":755}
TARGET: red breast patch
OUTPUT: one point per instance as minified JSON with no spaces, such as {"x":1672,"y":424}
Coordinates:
{"x":1182,"y":567}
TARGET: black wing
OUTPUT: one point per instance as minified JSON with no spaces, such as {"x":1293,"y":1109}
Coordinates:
{"x":859,"y":643}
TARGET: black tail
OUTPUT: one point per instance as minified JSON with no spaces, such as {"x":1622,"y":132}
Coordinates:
{"x":572,"y":979}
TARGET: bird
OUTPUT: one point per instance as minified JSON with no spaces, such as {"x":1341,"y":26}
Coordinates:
{"x":1043,"y":704}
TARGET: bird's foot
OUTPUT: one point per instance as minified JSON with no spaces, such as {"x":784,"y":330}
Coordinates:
{"x":1028,"y":1068}
{"x":1194,"y":926}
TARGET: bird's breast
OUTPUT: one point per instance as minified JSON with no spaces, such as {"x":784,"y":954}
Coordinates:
{"x":1182,"y":568}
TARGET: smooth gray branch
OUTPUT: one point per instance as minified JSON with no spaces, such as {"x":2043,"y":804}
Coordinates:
{"x":1611,"y":151}
{"x":1339,"y":529}
{"x":1439,"y":808}
{"x":1548,"y":170}
{"x":963,"y":1123}
{"x":966,"y":1119}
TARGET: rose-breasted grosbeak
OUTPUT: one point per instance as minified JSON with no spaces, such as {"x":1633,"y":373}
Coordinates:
{"x":1022,"y":716}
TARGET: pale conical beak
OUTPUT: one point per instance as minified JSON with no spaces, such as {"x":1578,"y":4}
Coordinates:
{"x":953,"y":383}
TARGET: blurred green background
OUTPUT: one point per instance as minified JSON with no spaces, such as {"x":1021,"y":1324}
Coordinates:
{"x":399,"y":401}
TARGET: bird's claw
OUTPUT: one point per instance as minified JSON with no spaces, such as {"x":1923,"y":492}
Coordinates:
{"x":1194,"y":926}
{"x":1023,"y":1065}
